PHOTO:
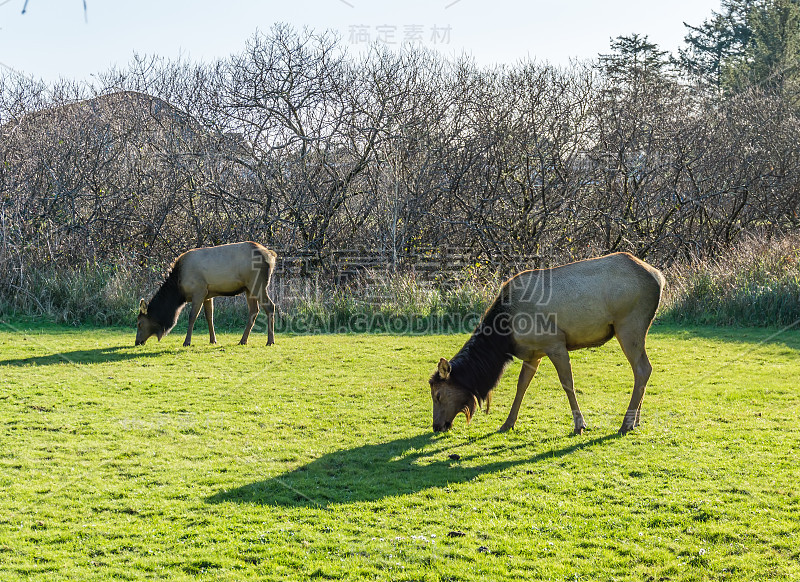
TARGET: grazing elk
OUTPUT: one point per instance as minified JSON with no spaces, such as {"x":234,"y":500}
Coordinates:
{"x":549,"y":312}
{"x":199,"y":275}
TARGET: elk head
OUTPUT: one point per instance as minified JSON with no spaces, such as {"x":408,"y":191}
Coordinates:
{"x":449,"y":399}
{"x":146,"y":326}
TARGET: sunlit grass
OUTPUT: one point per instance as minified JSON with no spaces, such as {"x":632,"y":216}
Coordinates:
{"x":314,"y":458}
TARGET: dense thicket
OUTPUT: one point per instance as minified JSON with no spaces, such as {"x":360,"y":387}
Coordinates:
{"x":296,"y":144}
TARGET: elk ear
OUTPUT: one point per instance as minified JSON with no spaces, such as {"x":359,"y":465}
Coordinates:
{"x":444,"y":368}
{"x":143,"y":306}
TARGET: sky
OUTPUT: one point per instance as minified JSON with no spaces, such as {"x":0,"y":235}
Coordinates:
{"x":56,"y":39}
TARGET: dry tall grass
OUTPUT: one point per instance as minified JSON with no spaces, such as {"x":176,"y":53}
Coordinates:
{"x":756,"y":283}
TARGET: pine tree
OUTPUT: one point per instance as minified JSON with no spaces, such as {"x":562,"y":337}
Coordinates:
{"x":713,"y":45}
{"x":751,"y":42}
{"x":772,"y":56}
{"x":634,"y":59}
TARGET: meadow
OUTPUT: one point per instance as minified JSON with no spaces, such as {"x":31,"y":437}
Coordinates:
{"x":314,"y":459}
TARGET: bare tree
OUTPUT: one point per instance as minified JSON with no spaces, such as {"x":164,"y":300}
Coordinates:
{"x":299,"y":145}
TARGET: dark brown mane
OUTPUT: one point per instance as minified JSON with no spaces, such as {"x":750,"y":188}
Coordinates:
{"x":165,"y":306}
{"x":477,"y":367}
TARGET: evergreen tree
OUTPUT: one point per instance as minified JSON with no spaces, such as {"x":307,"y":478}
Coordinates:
{"x":715,"y":43}
{"x":772,"y":55}
{"x":751,"y":42}
{"x":634,"y":59}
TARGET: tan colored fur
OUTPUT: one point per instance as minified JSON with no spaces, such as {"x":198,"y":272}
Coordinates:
{"x":581,"y":304}
{"x":222,"y":270}
{"x":227,"y":269}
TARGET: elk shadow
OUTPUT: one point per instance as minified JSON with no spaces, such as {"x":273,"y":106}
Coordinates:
{"x":94,"y":356}
{"x":377,"y":471}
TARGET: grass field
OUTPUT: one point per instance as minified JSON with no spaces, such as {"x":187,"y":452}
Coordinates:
{"x":314,"y":459}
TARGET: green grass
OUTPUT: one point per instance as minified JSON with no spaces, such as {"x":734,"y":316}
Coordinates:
{"x":314,"y":459}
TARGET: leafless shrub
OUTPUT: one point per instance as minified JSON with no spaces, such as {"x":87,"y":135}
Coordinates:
{"x":297,"y":144}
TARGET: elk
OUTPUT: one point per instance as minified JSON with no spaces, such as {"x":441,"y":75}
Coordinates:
{"x":199,"y":275}
{"x":549,"y":312}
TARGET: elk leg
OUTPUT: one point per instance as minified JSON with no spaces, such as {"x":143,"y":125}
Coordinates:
{"x":252,"y":307}
{"x":208,"y":309}
{"x":269,"y":308}
{"x":560,"y":359}
{"x":197,"y":303}
{"x":525,"y":376}
{"x":632,"y":343}
{"x":262,"y":272}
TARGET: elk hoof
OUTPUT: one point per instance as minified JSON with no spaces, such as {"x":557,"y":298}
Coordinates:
{"x":624,"y":430}
{"x":579,"y":431}
{"x":187,"y":344}
{"x":505,"y":428}
{"x":242,"y":342}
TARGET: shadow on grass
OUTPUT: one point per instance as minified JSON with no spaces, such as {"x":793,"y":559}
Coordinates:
{"x":373,"y":472}
{"x":95,"y":356}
